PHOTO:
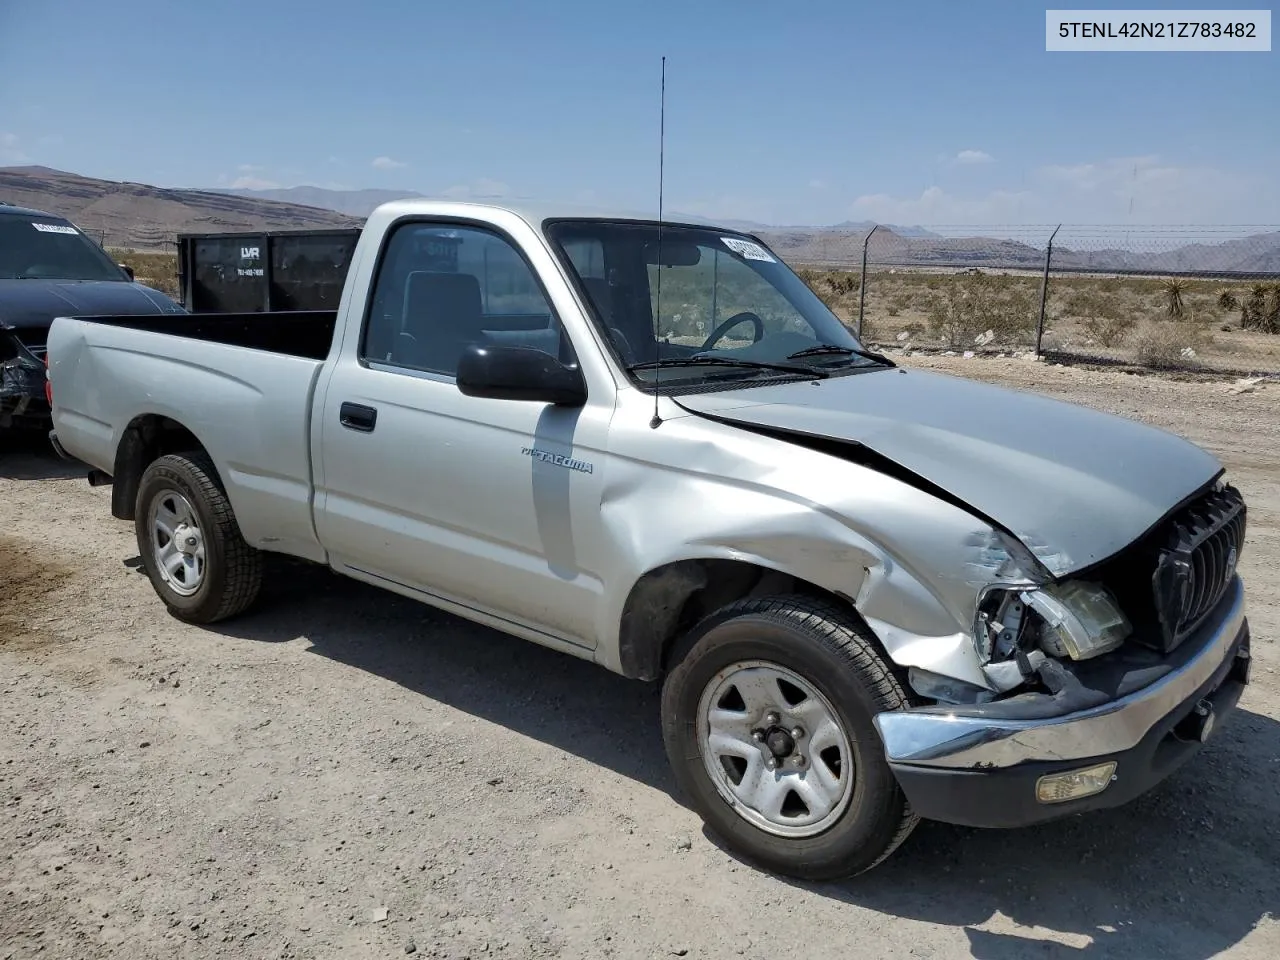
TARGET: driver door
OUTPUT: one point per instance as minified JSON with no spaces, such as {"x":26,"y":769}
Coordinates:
{"x":432,"y":492}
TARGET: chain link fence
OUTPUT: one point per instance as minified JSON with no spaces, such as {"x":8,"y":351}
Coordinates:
{"x":1204,"y":299}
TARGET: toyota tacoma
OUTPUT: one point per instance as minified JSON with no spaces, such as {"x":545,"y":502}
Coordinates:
{"x":871,"y":594}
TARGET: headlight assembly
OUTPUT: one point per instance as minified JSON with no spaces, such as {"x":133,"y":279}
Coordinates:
{"x":1080,"y":620}
{"x":1018,"y":625}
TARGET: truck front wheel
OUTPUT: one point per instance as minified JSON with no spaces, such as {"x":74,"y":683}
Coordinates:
{"x":767,"y":721}
{"x":190,"y":543}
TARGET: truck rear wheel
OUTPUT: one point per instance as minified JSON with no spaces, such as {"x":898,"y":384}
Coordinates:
{"x":190,"y":543}
{"x":767,"y":721}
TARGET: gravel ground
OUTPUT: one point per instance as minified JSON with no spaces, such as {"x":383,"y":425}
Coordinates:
{"x":347,"y":773}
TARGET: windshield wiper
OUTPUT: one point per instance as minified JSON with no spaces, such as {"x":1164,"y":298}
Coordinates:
{"x":696,"y":361}
{"x":830,"y":348}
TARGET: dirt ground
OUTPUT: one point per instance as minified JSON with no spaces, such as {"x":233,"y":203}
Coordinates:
{"x":349,"y":774}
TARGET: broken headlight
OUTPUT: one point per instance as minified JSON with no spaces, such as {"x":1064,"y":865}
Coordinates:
{"x":1018,"y":626}
{"x":1078,"y":620}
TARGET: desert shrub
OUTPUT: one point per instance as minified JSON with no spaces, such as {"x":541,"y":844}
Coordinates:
{"x":156,"y":270}
{"x":832,"y":286}
{"x":1110,"y":331}
{"x":1169,"y":344}
{"x":1228,"y":300}
{"x":974,"y":303}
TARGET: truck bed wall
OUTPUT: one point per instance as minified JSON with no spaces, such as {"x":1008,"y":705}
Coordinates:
{"x":298,"y":333}
{"x":248,"y":406}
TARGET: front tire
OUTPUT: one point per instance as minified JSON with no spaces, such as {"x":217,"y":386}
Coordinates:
{"x":190,"y":543}
{"x":767,"y":721}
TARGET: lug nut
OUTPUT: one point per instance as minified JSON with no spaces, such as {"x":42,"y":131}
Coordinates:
{"x":757,"y":735}
{"x":771,"y":718}
{"x":770,"y":763}
{"x":799,"y":760}
{"x":797,"y":733}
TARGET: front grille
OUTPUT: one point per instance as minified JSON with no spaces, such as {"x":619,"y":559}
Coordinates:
{"x":1196,"y":562}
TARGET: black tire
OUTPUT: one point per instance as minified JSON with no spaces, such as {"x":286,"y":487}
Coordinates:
{"x":832,"y":650}
{"x":233,"y":569}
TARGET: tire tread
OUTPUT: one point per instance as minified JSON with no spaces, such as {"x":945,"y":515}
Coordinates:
{"x":844,"y":633}
{"x":243,"y":563}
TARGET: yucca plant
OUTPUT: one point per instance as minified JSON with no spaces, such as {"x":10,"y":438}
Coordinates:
{"x":1253,"y":311}
{"x":1270,"y":322}
{"x":1228,"y":300}
{"x":1174,"y":288}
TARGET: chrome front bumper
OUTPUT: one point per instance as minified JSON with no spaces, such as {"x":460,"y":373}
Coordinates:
{"x":964,"y":739}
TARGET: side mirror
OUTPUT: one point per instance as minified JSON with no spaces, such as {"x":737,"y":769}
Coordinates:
{"x":519,"y":373}
{"x":126,"y":268}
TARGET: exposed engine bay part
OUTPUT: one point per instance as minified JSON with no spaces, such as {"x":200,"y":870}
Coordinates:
{"x":22,"y":379}
{"x":1018,"y":629}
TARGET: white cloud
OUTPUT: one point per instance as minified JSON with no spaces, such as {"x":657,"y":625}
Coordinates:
{"x":482,"y":189}
{"x":10,"y":151}
{"x":1138,"y":189}
{"x":730,"y":207}
{"x":253,"y":183}
{"x":974,"y":156}
{"x":249,"y":168}
{"x":386,"y":163}
{"x":935,"y":205}
{"x":1146,"y":189}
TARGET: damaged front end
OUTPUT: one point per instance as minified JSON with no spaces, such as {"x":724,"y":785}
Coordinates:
{"x":23,"y":402}
{"x":1101,"y":684}
{"x":1139,"y":605}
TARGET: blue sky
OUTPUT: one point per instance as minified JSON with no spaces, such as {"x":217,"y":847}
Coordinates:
{"x":815,"y":112}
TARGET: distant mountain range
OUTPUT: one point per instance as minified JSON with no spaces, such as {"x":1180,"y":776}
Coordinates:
{"x":1256,"y":254}
{"x":140,"y":216}
{"x":353,"y":203}
{"x":146,"y":217}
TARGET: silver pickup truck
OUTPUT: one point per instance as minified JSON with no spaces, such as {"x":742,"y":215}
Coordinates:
{"x":871,"y":594}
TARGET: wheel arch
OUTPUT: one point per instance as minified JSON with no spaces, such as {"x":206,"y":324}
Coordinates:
{"x":146,"y":438}
{"x":670,"y":599}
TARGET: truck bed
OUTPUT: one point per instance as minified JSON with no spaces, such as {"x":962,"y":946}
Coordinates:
{"x":242,"y":384}
{"x":298,"y":333}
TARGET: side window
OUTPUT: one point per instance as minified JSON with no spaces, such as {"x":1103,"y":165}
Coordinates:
{"x":441,"y":288}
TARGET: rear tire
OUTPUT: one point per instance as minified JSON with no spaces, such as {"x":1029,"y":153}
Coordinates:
{"x":767,"y":722}
{"x":190,"y":543}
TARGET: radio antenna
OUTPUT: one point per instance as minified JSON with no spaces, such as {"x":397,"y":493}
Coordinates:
{"x":657,"y":313}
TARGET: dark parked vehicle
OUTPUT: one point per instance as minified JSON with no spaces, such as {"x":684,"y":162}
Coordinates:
{"x":49,"y":268}
{"x":286,"y":270}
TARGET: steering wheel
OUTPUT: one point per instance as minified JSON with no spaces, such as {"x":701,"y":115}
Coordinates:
{"x":757,"y":333}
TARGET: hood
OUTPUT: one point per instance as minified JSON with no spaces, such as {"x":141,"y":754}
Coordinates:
{"x":34,"y":303}
{"x":1074,"y":485}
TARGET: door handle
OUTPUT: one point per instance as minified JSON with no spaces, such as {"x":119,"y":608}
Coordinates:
{"x":356,"y":416}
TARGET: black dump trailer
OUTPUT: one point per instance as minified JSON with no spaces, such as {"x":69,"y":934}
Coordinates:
{"x":281,"y":270}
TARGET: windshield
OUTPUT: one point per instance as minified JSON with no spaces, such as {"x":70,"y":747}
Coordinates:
{"x":716,"y":295}
{"x":46,"y":248}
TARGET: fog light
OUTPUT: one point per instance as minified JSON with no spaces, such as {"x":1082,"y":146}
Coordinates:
{"x":1075,"y":784}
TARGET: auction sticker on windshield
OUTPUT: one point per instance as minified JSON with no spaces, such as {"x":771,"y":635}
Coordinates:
{"x":54,"y":228}
{"x":747,"y":249}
